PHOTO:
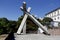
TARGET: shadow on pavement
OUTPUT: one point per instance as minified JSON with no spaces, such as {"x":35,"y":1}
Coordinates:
{"x":10,"y":36}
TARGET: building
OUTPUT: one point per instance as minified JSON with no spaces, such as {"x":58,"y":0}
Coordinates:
{"x":55,"y":15}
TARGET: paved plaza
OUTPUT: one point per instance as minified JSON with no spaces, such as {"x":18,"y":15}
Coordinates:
{"x":36,"y":37}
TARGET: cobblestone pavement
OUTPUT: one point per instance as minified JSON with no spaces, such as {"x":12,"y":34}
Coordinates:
{"x":36,"y":37}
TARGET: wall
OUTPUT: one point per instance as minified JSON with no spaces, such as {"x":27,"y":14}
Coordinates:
{"x":55,"y":31}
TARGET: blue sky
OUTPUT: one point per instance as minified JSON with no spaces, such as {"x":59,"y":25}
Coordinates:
{"x":10,"y":9}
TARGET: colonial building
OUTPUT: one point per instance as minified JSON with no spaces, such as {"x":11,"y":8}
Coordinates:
{"x":55,"y":15}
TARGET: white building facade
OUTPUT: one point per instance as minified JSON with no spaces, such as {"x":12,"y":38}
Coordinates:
{"x":55,"y":15}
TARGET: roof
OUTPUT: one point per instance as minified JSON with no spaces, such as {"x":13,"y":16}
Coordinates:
{"x":52,"y":11}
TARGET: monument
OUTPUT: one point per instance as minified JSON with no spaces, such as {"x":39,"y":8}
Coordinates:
{"x":23,"y":23}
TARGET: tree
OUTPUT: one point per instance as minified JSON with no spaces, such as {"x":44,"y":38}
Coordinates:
{"x":1,"y":30}
{"x":31,"y":26}
{"x":7,"y":25}
{"x":11,"y":26}
{"x":47,"y":21}
{"x":3,"y":23}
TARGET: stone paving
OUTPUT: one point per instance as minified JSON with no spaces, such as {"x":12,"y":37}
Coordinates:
{"x":2,"y":37}
{"x":36,"y":37}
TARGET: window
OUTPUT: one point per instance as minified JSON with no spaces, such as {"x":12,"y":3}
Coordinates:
{"x":58,"y":12}
{"x":55,"y":18}
{"x":51,"y":14}
{"x":58,"y":17}
{"x":54,"y":13}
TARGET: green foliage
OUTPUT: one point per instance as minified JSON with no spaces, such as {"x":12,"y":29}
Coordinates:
{"x":11,"y":26}
{"x":3,"y":23}
{"x":1,"y":31}
{"x":30,"y":24}
{"x":7,"y":26}
{"x":46,"y":21}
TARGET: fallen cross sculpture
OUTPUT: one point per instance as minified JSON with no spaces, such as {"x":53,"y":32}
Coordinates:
{"x":23,"y":23}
